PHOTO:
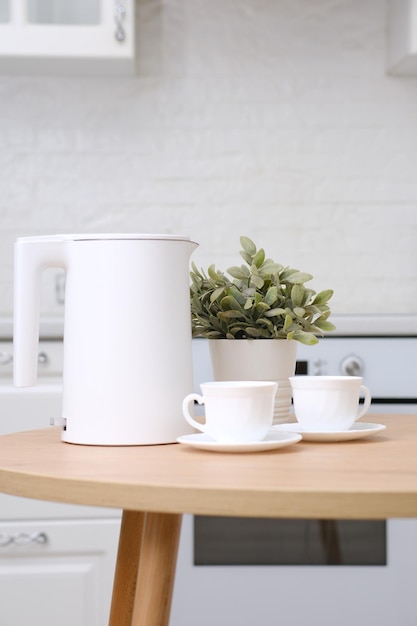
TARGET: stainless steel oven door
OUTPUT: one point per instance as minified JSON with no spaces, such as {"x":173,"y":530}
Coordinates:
{"x":299,"y":595}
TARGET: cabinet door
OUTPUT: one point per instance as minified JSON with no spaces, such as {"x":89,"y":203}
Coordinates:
{"x":57,"y":572}
{"x":57,"y":36}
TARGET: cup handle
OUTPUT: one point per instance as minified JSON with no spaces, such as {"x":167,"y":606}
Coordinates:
{"x":367,"y":402}
{"x":186,"y":410}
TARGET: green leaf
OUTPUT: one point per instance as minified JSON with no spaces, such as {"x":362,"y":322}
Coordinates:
{"x":307,"y":339}
{"x":299,"y":277}
{"x":257,"y":297}
{"x":257,"y":281}
{"x":262,"y":307}
{"x":288,"y":271}
{"x":275,"y":312}
{"x":213,"y":274}
{"x":299,"y":311}
{"x":297,"y":295}
{"x":264,"y":333}
{"x":248,"y":246}
{"x":246,"y":257}
{"x":216,"y":294}
{"x":308,"y":295}
{"x":229,"y":303}
{"x":252,"y":332}
{"x":214,"y":334}
{"x":324,"y":325}
{"x":196,"y":271}
{"x":271,"y":295}
{"x":231,"y":313}
{"x":242,"y":272}
{"x":196,"y":282}
{"x":323,"y":297}
{"x":269,"y":267}
{"x":288,"y":322}
{"x":262,"y":321}
{"x":311,"y":309}
{"x":237,"y":294}
{"x":259,"y":258}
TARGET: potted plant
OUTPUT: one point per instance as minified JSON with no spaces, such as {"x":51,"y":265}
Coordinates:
{"x":259,"y":300}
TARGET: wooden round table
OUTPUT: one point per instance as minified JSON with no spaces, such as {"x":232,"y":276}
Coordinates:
{"x":371,"y":478}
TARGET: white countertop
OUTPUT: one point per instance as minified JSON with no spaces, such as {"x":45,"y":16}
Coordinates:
{"x":49,"y":328}
{"x":374,"y":325}
{"x":346,"y":325}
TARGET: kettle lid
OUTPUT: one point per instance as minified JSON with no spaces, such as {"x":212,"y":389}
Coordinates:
{"x":104,"y":237}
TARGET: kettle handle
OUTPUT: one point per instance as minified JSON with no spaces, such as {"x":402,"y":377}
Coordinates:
{"x":32,"y":255}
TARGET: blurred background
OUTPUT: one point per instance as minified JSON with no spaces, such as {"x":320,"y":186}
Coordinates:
{"x":275,"y":119}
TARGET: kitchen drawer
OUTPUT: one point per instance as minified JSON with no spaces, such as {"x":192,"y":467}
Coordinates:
{"x":56,"y":572}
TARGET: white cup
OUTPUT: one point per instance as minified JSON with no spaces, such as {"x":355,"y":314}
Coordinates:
{"x":328,"y":403}
{"x":235,"y":411}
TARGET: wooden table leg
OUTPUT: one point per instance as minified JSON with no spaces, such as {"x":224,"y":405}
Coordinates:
{"x":156,"y":574}
{"x":130,"y":541}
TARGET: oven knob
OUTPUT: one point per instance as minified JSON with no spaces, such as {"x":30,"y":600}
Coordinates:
{"x":318,"y":367}
{"x":352,"y":365}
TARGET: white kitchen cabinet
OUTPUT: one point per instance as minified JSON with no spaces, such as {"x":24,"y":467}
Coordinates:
{"x":57,"y":572}
{"x":77,"y":37}
{"x":402,"y":37}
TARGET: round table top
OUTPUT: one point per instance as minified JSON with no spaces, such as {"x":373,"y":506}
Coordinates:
{"x":375,"y":477}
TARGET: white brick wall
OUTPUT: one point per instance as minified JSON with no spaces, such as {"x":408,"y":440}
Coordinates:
{"x":274,"y":119}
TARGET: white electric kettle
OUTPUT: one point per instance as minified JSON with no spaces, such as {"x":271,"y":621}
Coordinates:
{"x":127,"y":333}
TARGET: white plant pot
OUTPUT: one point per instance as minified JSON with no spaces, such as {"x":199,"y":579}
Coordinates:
{"x":257,"y":359}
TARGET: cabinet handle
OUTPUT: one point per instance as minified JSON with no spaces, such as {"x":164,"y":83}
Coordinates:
{"x":23,"y":539}
{"x":119,"y":18}
{"x":6,"y":358}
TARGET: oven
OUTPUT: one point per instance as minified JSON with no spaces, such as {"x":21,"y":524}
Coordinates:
{"x":239,"y":571}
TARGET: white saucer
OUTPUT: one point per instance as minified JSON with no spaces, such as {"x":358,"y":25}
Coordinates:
{"x":357,"y":431}
{"x":272,"y":441}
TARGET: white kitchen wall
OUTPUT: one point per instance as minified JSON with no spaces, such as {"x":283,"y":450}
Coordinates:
{"x":270,"y":118}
